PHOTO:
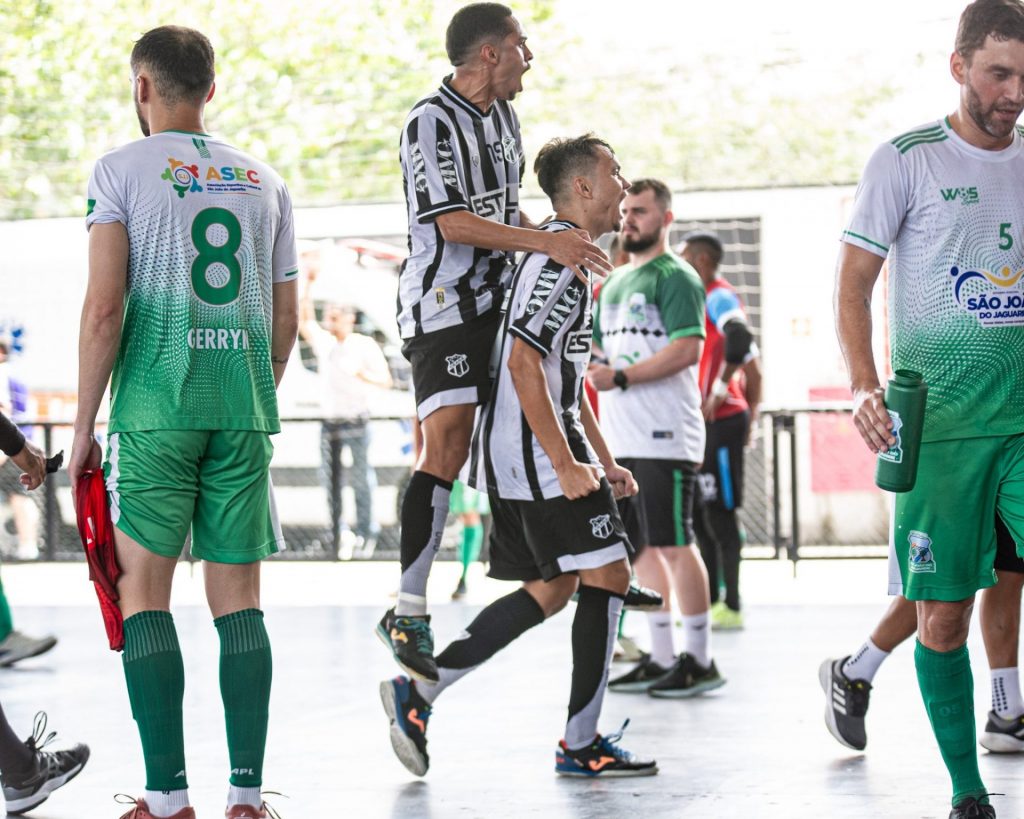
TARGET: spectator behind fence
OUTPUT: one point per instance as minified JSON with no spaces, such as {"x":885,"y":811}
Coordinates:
{"x":24,"y":507}
{"x":352,"y":369}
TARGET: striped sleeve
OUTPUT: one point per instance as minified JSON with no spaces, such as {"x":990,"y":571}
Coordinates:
{"x":543,"y":312}
{"x":431,"y":165}
{"x":881,"y":202}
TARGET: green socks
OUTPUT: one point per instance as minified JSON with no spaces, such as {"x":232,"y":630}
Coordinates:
{"x":245,"y":672}
{"x":6,"y":623}
{"x":156,"y":686}
{"x":470,"y":545}
{"x":947,"y":689}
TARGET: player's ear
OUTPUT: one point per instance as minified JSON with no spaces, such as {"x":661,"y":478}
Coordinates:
{"x":958,"y":66}
{"x":581,"y":187}
{"x":669,"y":218}
{"x":489,"y":54}
{"x":212,"y":89}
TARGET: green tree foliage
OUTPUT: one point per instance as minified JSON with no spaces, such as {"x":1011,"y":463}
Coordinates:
{"x":319,"y":88}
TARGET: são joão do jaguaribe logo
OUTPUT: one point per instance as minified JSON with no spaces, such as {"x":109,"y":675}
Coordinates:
{"x":993,"y":298}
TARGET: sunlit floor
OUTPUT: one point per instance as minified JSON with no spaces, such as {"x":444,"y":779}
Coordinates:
{"x":755,"y":748}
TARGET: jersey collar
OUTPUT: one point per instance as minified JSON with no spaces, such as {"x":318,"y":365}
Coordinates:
{"x":461,"y":101}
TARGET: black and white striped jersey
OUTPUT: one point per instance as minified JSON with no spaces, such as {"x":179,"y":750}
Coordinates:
{"x":549,"y":309}
{"x":455,"y":157}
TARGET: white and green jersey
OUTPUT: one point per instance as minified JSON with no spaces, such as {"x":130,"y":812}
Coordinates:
{"x":210,"y":231}
{"x":641,"y":311}
{"x":950,"y":219}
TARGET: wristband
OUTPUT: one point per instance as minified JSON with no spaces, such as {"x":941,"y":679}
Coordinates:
{"x":720,"y":389}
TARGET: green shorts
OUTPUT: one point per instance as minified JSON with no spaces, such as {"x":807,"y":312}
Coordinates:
{"x":942,"y":541}
{"x":465,"y":499}
{"x":162,"y":482}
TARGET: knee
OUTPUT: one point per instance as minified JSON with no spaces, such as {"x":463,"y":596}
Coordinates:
{"x":553,"y":595}
{"x":943,"y":626}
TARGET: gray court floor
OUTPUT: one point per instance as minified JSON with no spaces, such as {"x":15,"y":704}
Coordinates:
{"x":755,"y":748}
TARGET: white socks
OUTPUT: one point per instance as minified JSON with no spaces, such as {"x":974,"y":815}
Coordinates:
{"x":166,"y":803}
{"x":697,"y":638}
{"x":1006,"y":699}
{"x":662,"y":651}
{"x":865,"y":662}
{"x":244,"y":796}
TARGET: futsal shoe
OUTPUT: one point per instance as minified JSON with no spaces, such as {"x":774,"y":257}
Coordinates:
{"x":17,"y":646}
{"x":687,"y":678}
{"x":408,"y":713}
{"x":640,"y":678}
{"x":48,"y":771}
{"x":264,"y":811}
{"x":411,"y":642}
{"x":846,"y":704}
{"x":626,"y":651}
{"x":602,"y":758}
{"x":141,"y":811}
{"x":639,"y":598}
{"x":724,"y":618}
{"x":971,"y":808}
{"x":1003,"y":736}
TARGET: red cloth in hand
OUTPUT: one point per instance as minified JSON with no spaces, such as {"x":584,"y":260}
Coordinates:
{"x":97,"y":533}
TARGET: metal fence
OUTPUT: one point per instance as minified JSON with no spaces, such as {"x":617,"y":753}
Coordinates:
{"x":808,"y":493}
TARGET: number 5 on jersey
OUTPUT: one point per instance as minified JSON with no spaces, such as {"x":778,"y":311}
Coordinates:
{"x":211,"y":254}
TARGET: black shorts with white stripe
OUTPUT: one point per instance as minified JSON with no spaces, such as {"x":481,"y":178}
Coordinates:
{"x":452,"y":366}
{"x":534,"y":540}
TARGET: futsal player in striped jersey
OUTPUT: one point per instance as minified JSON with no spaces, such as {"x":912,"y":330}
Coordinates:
{"x":552,"y":482}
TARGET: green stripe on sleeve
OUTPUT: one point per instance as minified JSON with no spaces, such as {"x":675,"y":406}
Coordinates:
{"x":677,"y":506}
{"x":865,"y":239}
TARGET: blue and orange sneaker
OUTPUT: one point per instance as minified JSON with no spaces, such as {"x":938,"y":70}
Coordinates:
{"x":602,"y":758}
{"x":411,"y":642}
{"x":409,"y":714}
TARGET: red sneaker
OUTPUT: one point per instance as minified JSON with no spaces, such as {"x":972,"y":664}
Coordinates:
{"x":264,"y":811}
{"x":141,"y":811}
{"x":246,"y":812}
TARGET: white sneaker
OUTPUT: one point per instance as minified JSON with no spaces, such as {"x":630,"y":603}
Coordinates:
{"x":17,"y":646}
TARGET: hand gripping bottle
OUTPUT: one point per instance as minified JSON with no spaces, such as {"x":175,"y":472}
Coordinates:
{"x":905,"y":398}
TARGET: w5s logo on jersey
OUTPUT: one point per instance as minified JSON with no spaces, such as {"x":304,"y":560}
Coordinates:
{"x":489,"y":204}
{"x":966,"y":196}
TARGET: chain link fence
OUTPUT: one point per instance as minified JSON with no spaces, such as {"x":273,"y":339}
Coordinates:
{"x":808,"y":492}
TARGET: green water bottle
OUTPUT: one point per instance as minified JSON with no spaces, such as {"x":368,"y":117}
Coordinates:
{"x":905,"y":398}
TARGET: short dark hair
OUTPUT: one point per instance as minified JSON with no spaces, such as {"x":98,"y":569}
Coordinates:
{"x":1003,"y":19}
{"x":563,"y":158}
{"x":475,"y":24}
{"x":710,"y":242}
{"x":662,"y":194}
{"x":180,"y":61}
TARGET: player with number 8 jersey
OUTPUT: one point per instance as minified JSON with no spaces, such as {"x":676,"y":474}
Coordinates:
{"x":191,"y":312}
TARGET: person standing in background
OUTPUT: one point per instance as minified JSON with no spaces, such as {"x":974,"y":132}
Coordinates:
{"x":352,"y":369}
{"x":730,"y":407}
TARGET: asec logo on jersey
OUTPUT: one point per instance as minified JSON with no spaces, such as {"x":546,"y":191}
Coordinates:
{"x":457,"y":365}
{"x":185,"y":178}
{"x":1002,"y":307}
